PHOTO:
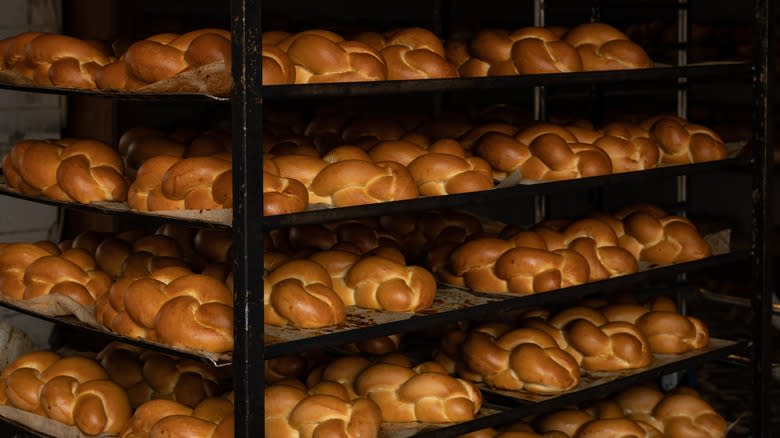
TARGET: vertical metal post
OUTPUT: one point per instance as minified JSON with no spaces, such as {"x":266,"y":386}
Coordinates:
{"x":540,"y":112}
{"x":246,"y":106}
{"x":682,"y":85}
{"x":763,"y":139}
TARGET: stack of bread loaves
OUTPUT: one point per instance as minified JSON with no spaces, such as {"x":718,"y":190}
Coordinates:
{"x":75,"y":391}
{"x":543,"y":352}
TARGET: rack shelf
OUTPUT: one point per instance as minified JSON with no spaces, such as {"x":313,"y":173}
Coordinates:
{"x":718,"y":349}
{"x":658,"y":73}
{"x":211,"y":219}
{"x":72,"y":322}
{"x":451,"y":306}
{"x":276,"y":92}
{"x":494,"y":195}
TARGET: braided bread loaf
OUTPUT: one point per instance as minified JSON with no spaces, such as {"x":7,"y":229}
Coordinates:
{"x":53,"y":60}
{"x":291,"y":412}
{"x":299,"y":292}
{"x":602,"y":47}
{"x":424,"y":393}
{"x":171,"y":183}
{"x":543,"y":152}
{"x":137,"y":145}
{"x":629,"y":147}
{"x":211,"y":418}
{"x":321,"y":56}
{"x":72,"y":390}
{"x":126,"y":255}
{"x":597,"y":243}
{"x":15,"y":258}
{"x":357,"y":182}
{"x":667,"y":331}
{"x":378,"y":282}
{"x":276,"y":66}
{"x":520,"y":359}
{"x":525,"y":51}
{"x":679,"y":414}
{"x":600,"y":345}
{"x":661,"y":240}
{"x":411,"y":53}
{"x":172,"y":305}
{"x":681,"y":142}
{"x":167,"y":55}
{"x":77,"y":170}
{"x":496,"y":265}
{"x":73,"y":274}
{"x":148,"y":375}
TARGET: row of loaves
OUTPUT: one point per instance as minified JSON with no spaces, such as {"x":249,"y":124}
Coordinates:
{"x":553,"y":254}
{"x":313,"y":56}
{"x":639,"y":412}
{"x":544,"y":353}
{"x":98,"y":396}
{"x":389,"y":388}
{"x":169,"y":287}
{"x":189,"y":169}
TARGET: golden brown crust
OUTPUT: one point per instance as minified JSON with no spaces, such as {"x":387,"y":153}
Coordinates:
{"x":75,"y":170}
{"x":72,"y":390}
{"x":602,"y":47}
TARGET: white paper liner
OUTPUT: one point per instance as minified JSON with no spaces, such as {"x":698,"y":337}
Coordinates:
{"x":593,"y":379}
{"x":44,"y":424}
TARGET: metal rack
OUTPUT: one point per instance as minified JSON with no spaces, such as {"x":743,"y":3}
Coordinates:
{"x":248,"y":223}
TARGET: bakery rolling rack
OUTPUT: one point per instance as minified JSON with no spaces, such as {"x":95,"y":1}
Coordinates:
{"x":248,"y":223}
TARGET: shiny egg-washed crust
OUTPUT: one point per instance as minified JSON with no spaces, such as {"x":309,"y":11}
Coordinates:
{"x":53,"y":60}
{"x":69,"y":170}
{"x":520,"y":359}
{"x":211,"y":418}
{"x":410,"y":53}
{"x":602,"y":47}
{"x":72,"y":390}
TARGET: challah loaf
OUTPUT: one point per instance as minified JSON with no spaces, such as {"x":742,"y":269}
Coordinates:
{"x":15,"y":258}
{"x":167,"y":55}
{"x":322,"y":56}
{"x":299,"y":292}
{"x":425,"y":393}
{"x":211,"y":418}
{"x":665,"y":240}
{"x":356,"y":182}
{"x":291,"y":412}
{"x":629,"y":147}
{"x":172,"y":305}
{"x":53,"y":60}
{"x":602,"y":47}
{"x":170,"y":183}
{"x":521,"y":359}
{"x":73,"y":274}
{"x":681,"y":142}
{"x":73,"y":170}
{"x":72,"y":390}
{"x":148,"y":375}
{"x":411,"y":53}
